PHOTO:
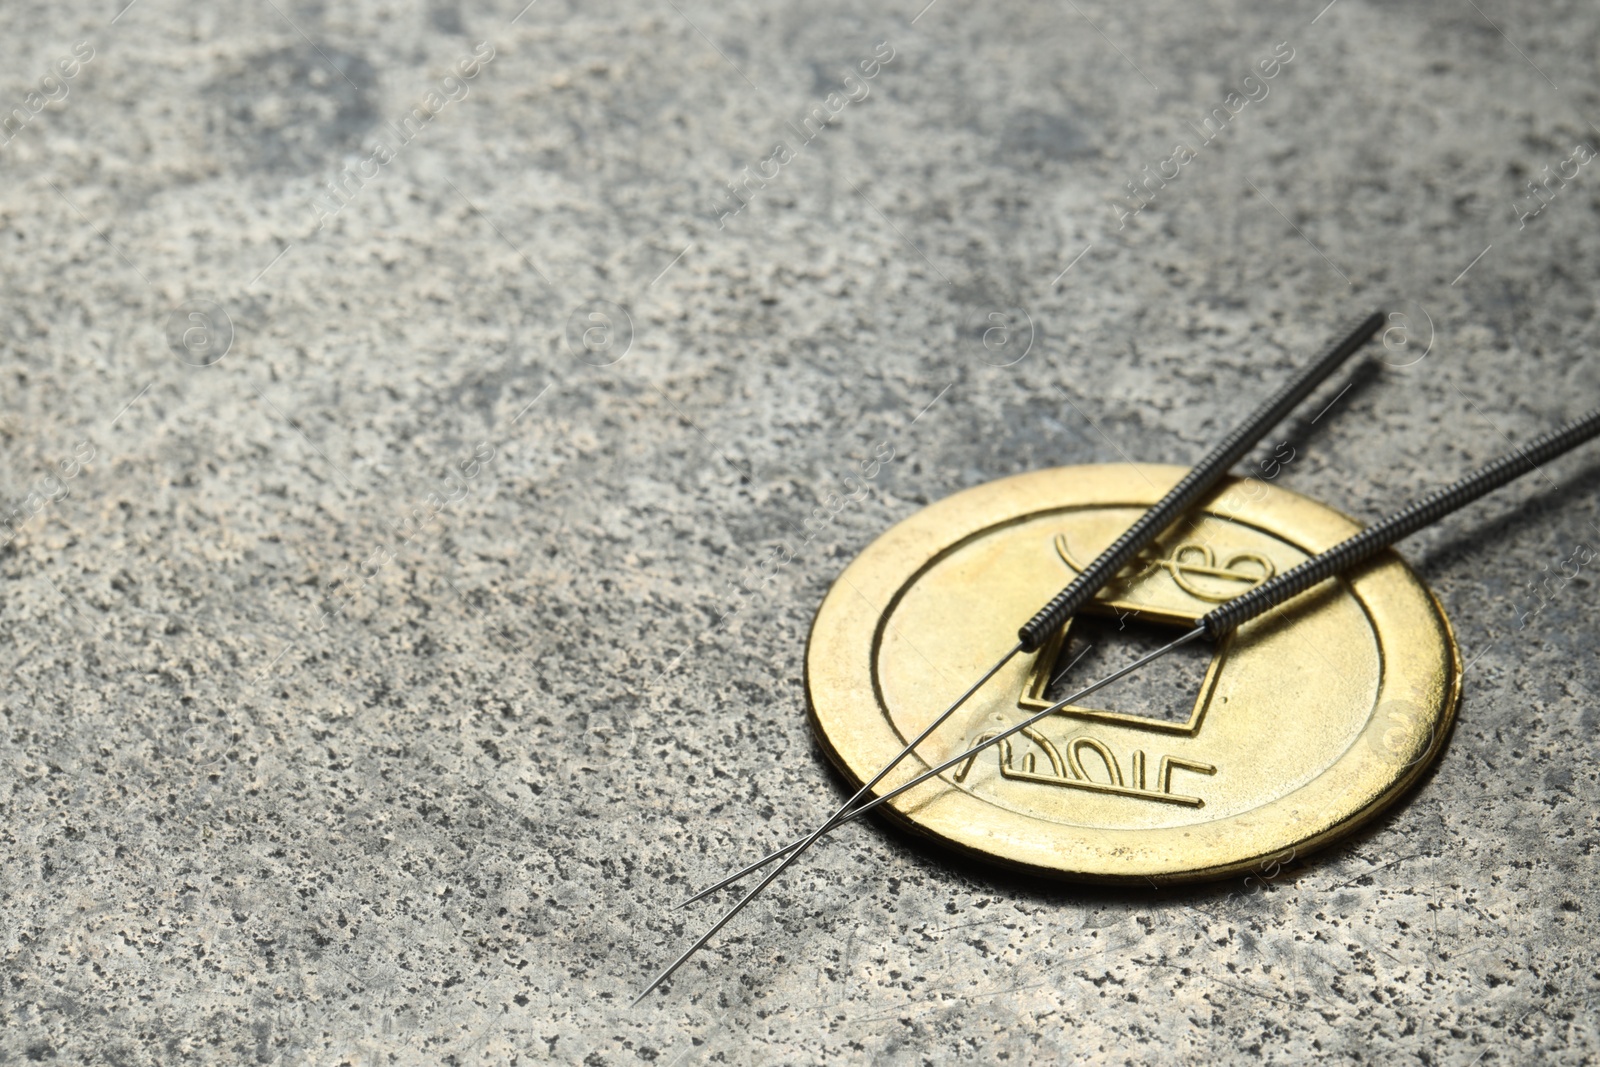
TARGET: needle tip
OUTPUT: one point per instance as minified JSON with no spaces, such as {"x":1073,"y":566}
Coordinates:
{"x":651,"y":988}
{"x":686,"y":901}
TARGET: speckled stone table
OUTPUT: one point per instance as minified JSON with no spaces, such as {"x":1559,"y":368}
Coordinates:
{"x":403,"y":406}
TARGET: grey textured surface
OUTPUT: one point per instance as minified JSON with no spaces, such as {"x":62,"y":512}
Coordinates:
{"x":442,"y":822}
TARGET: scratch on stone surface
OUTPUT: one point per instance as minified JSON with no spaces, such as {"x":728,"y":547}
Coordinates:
{"x":950,"y":1001}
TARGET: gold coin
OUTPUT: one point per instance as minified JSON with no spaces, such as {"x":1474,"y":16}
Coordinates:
{"x":1291,"y":732}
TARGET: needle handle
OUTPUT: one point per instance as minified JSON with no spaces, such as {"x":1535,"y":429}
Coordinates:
{"x":1194,"y":485}
{"x":1403,"y":523}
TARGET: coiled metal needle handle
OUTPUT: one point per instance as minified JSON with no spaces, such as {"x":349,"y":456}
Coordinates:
{"x":1403,"y":523}
{"x":1193,"y":486}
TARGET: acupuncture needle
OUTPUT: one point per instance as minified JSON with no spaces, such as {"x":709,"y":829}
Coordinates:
{"x":1177,"y":502}
{"x":1349,"y":553}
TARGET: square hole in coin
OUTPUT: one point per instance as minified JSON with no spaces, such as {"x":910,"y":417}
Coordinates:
{"x":1163,"y":691}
